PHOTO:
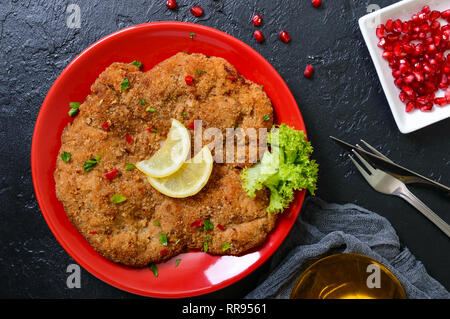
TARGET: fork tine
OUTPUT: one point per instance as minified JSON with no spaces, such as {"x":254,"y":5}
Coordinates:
{"x":360,"y":169}
{"x":366,"y":164}
{"x":375,"y":151}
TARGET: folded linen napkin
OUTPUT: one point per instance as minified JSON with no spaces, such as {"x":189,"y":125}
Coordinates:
{"x":324,"y":229}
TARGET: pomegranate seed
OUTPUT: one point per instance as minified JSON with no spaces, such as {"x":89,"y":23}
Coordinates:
{"x":171,"y":4}
{"x":408,"y":90}
{"x":257,"y":20}
{"x":189,"y":80}
{"x":258,"y":36}
{"x":284,"y":36}
{"x":435,"y":15}
{"x":191,"y":125}
{"x":398,"y":82}
{"x":197,"y":11}
{"x":427,"y":107}
{"x":426,"y":9}
{"x":389,"y":25}
{"x":441,"y":101}
{"x":402,"y":96}
{"x":388,"y":55}
{"x":409,"y":78}
{"x":316,"y":3}
{"x":309,"y":70}
{"x":380,"y":32}
{"x":382,"y":43}
{"x":410,"y":106}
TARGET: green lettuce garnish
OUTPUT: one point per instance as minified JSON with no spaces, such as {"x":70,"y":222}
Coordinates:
{"x":283,"y":169}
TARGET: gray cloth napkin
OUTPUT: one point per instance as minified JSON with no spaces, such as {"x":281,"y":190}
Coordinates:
{"x":324,"y":229}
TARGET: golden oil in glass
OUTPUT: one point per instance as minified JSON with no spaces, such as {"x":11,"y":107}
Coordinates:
{"x":347,"y":276}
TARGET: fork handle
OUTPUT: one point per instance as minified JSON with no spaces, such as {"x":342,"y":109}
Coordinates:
{"x":419,"y":205}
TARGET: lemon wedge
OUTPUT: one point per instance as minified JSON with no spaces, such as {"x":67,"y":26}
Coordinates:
{"x":171,"y":156}
{"x":189,"y":179}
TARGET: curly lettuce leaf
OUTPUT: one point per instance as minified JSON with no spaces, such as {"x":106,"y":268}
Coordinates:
{"x":284,"y":169}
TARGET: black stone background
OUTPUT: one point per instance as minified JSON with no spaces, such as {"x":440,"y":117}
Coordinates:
{"x":343,"y":99}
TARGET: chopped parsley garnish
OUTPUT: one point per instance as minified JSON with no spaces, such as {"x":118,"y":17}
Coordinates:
{"x":205,"y":243}
{"x":117,"y":199}
{"x":262,"y":86}
{"x":191,"y":35}
{"x":156,"y":223}
{"x":207,"y":225}
{"x":226,"y":246}
{"x":143,"y":102}
{"x":153,"y":268}
{"x":184,"y":115}
{"x":90,"y":164}
{"x":125,"y":84}
{"x":236,"y":126}
{"x":266,"y":117}
{"x":163,"y":239}
{"x":200,"y":72}
{"x":66,"y":156}
{"x":74,"y":108}
{"x":154,"y":130}
{"x":129,"y":167}
{"x":150,"y":109}
{"x":177,"y":262}
{"x":137,"y":63}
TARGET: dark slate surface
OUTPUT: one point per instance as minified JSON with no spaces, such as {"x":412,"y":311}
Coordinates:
{"x":343,"y":99}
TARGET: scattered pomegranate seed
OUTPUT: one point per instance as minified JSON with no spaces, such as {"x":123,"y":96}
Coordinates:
{"x":111,"y":174}
{"x":220,"y":227}
{"x":309,"y":70}
{"x":191,"y":125}
{"x":284,"y":36}
{"x":189,"y":80}
{"x":257,"y":20}
{"x":129,"y":139}
{"x":105,"y":126}
{"x":171,"y":4}
{"x":316,"y":3}
{"x":258,"y":36}
{"x":416,"y":52}
{"x":197,"y":11}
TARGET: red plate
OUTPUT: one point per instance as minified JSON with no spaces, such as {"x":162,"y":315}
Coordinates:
{"x":198,"y":273}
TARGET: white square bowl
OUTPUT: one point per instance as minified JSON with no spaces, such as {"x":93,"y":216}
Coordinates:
{"x":406,"y":122}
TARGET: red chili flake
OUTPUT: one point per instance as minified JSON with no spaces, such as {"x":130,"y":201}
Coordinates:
{"x":220,"y":227}
{"x":93,"y":232}
{"x":111,"y":174}
{"x":105,"y":126}
{"x":128,"y":139}
{"x":191,"y":125}
{"x":149,"y":129}
{"x":189,"y":80}
{"x":164,"y":252}
{"x":198,"y":223}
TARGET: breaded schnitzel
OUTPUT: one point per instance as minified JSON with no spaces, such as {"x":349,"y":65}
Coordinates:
{"x":130,"y":232}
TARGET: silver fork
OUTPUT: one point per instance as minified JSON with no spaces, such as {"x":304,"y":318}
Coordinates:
{"x":387,"y":184}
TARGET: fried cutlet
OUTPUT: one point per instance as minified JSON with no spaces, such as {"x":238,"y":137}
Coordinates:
{"x":128,"y":233}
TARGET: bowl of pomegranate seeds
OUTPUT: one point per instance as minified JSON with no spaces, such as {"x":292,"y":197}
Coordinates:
{"x":409,"y":44}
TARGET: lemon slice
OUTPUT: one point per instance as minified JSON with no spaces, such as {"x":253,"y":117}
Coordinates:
{"x":171,"y":156}
{"x":189,"y":179}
